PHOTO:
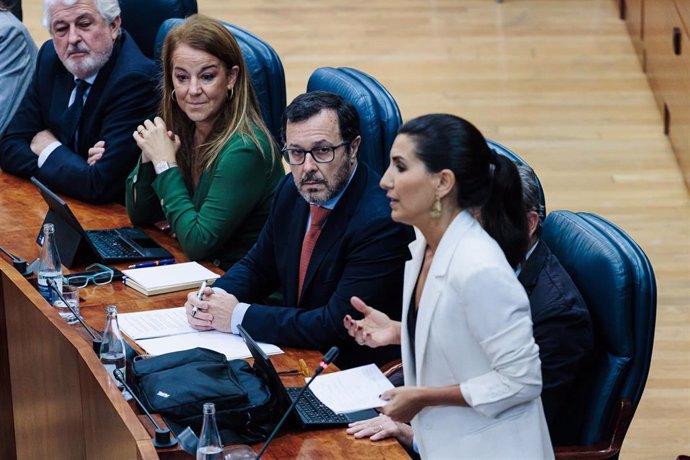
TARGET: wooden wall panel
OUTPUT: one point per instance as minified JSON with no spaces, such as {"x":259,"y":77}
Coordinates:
{"x":660,"y":19}
{"x":7,"y":447}
{"x":64,"y":403}
{"x":634,"y":12}
{"x":45,"y":379}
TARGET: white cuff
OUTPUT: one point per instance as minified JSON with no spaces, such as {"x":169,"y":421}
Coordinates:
{"x":237,"y":317}
{"x":45,"y":153}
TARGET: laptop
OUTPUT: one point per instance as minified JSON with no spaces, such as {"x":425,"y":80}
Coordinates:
{"x":78,"y":246}
{"x":310,"y":412}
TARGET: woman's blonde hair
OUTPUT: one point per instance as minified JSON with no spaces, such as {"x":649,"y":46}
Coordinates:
{"x":241,"y":114}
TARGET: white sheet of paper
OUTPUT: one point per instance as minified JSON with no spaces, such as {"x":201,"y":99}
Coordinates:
{"x":352,"y":390}
{"x":230,"y":345}
{"x":155,"y":323}
{"x":167,"y":330}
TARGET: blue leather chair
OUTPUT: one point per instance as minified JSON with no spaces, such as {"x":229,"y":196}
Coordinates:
{"x":379,"y":115}
{"x":502,"y":150}
{"x":265,"y":69}
{"x":617,"y":283}
{"x":142,"y":18}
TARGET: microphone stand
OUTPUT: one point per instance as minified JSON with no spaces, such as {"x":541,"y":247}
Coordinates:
{"x":327,"y":359}
{"x":95,"y":339}
{"x":163,"y":436}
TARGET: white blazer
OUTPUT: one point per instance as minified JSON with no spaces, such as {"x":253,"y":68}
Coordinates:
{"x":474,"y":329}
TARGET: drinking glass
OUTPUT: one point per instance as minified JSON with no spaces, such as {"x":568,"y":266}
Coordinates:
{"x":238,"y":452}
{"x":71,"y":295}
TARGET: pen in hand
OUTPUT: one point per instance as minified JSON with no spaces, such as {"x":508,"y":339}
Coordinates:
{"x":199,"y":296}
{"x":153,"y":263}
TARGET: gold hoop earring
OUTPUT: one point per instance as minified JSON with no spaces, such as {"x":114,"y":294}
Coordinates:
{"x":231,"y":94}
{"x":436,"y":208}
{"x":172,"y":95}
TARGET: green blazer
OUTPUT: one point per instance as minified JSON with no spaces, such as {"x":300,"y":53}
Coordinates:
{"x":222,"y":218}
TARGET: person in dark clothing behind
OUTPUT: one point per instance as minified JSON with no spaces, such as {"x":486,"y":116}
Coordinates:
{"x":561,"y":322}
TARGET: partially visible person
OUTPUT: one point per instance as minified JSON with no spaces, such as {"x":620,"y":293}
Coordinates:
{"x":91,"y":88}
{"x":471,"y":365}
{"x":17,"y":62}
{"x":16,"y":8}
{"x":328,"y":237}
{"x":561,"y":324}
{"x":208,"y":164}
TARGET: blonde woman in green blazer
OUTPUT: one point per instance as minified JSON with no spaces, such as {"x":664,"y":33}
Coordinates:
{"x":208,"y":164}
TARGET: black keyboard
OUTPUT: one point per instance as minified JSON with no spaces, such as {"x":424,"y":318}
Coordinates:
{"x":111,"y":246}
{"x":312,"y":411}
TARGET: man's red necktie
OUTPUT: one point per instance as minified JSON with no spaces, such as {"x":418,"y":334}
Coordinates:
{"x":318,"y":217}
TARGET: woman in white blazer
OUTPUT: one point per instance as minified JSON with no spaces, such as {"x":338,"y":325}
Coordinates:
{"x":471,"y":366}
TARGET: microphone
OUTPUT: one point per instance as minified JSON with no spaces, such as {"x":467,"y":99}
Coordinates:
{"x":163,"y":438}
{"x":95,"y":339}
{"x":327,"y":359}
{"x":18,"y":263}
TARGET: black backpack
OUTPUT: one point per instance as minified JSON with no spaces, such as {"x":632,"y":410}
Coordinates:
{"x":176,"y":386}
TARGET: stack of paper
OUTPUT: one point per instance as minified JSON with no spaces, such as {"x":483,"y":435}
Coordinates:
{"x":167,"y":330}
{"x":351,"y":390}
{"x":167,"y":278}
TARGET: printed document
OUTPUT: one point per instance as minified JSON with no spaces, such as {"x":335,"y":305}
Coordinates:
{"x":166,"y":330}
{"x":352,"y":390}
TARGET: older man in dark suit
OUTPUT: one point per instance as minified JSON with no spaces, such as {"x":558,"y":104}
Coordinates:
{"x":329,"y":237}
{"x":91,"y":88}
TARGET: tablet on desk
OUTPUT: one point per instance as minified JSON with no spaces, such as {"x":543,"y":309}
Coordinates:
{"x":79,"y":246}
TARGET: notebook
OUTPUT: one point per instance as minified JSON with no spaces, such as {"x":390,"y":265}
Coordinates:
{"x":309,"y":411}
{"x":168,"y":278}
{"x":80,"y":247}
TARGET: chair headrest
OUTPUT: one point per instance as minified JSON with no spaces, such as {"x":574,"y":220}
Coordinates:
{"x":379,"y":116}
{"x":502,"y":150}
{"x":142,"y":19}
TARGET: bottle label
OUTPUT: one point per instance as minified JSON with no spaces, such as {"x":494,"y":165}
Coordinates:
{"x":43,"y":287}
{"x":113,"y":361}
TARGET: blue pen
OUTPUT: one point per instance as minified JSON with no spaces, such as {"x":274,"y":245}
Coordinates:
{"x":153,"y":263}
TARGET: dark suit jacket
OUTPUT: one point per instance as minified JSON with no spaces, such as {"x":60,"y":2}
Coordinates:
{"x":122,"y":96}
{"x":360,"y":251}
{"x":562,"y":328}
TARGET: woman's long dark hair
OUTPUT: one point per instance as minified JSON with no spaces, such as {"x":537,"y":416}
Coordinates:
{"x":483,"y":179}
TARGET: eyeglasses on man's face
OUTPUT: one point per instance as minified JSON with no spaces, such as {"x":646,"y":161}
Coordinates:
{"x":321,"y":154}
{"x":98,"y":274}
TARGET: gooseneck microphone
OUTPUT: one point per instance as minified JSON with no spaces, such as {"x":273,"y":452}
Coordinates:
{"x":95,"y":339}
{"x":327,"y":359}
{"x":18,"y":263}
{"x":163,"y":437}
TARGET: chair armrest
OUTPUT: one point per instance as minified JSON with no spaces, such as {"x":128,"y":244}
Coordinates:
{"x":391,"y":367}
{"x":605,"y":449}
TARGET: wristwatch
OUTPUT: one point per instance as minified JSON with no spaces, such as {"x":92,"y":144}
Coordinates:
{"x":163,"y":166}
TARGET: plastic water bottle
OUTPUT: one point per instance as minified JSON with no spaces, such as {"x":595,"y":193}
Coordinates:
{"x":49,"y":265}
{"x":210,"y":446}
{"x":113,"y":345}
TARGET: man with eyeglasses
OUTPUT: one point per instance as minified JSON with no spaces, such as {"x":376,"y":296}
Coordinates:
{"x":329,"y":237}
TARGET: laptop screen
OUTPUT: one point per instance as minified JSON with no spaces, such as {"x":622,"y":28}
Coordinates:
{"x":263,"y":364}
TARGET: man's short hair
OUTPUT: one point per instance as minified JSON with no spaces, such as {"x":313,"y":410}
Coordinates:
{"x":530,"y":192}
{"x":109,"y":9}
{"x":310,"y":104}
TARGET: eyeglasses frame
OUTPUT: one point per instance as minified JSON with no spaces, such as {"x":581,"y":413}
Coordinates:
{"x":333,"y":148}
{"x":91,"y":278}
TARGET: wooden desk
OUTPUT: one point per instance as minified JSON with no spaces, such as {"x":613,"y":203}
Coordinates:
{"x":62,"y":403}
